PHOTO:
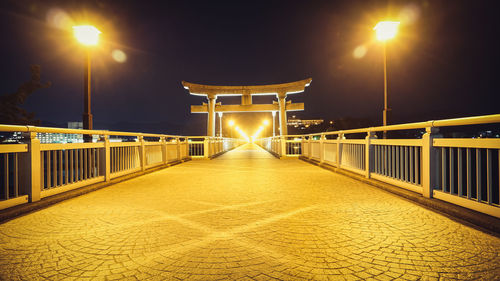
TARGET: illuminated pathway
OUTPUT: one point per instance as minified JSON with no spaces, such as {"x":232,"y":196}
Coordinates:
{"x":243,"y":216}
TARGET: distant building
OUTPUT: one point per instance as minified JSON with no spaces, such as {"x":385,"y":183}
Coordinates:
{"x":64,"y":138}
{"x":75,"y":125}
{"x":302,"y":123}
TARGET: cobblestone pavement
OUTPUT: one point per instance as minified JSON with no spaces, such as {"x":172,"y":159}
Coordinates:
{"x":243,"y":216}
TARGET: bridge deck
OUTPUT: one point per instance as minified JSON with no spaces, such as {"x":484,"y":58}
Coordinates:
{"x":248,"y":216}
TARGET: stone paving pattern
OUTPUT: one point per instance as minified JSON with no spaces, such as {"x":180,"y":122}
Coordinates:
{"x":243,"y":216}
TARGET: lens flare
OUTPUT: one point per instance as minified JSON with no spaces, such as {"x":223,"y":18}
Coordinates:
{"x":409,"y":14}
{"x":359,"y":52}
{"x":58,"y":18}
{"x":119,"y":56}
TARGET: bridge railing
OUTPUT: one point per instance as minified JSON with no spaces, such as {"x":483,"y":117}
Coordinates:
{"x":285,"y":146}
{"x":31,"y":170}
{"x":462,"y":171}
{"x":209,"y":147}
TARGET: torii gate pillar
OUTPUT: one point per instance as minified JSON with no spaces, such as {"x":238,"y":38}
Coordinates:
{"x":282,"y":117}
{"x":211,"y":115}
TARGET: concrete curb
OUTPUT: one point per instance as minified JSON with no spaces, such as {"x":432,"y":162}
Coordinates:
{"x":483,"y":222}
{"x":20,"y":210}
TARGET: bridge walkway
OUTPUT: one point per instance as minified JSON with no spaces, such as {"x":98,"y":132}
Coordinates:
{"x":243,"y":216}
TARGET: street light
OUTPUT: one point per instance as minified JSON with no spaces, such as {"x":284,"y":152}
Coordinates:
{"x":386,"y":30}
{"x":88,"y":36}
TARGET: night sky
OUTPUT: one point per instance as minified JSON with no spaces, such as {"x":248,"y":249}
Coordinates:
{"x":443,"y":63}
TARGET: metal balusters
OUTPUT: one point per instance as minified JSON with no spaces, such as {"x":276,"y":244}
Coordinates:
{"x":412,"y":164}
{"x":489,"y":178}
{"x":85,"y":164}
{"x":49,"y":174}
{"x":98,"y":158}
{"x":66,"y":172}
{"x":452,"y":170}
{"x":60,"y":167}
{"x":80,"y":164}
{"x":54,"y":168}
{"x":479,"y":179}
{"x":71,"y":166}
{"x":393,"y":163}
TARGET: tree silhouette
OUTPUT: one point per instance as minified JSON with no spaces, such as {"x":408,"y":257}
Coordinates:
{"x":11,"y":111}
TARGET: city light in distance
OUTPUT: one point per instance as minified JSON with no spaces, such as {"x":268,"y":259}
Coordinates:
{"x":86,"y":34}
{"x":386,"y":30}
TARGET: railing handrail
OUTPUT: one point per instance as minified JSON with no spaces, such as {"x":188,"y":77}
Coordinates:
{"x":36,"y":129}
{"x":474,"y":120}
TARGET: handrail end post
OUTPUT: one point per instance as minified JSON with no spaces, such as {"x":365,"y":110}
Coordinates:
{"x":30,"y":168}
{"x":429,"y":162}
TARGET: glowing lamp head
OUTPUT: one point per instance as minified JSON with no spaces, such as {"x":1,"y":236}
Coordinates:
{"x":231,"y":123}
{"x":88,"y":35}
{"x":266,"y":122}
{"x":386,"y":30}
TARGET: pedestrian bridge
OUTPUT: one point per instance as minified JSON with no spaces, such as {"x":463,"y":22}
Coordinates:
{"x":244,"y":215}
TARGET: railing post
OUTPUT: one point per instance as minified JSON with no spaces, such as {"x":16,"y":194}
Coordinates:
{"x":206,"y":148}
{"x":178,"y":142}
{"x":340,"y":137}
{"x":429,"y":162}
{"x":309,"y":147}
{"x":368,"y":153}
{"x":106,"y":159}
{"x":30,"y":169}
{"x":282,"y":146}
{"x":142,"y":153}
{"x":164,"y":155}
{"x":322,"y":148}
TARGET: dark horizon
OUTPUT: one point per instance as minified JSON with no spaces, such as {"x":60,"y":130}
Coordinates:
{"x":443,"y":63}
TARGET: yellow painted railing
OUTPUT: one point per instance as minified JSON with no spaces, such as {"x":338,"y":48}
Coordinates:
{"x":30,"y":170}
{"x":464,"y":172}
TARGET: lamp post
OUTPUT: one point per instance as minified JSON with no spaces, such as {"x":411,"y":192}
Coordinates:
{"x":88,"y":36}
{"x":386,"y":30}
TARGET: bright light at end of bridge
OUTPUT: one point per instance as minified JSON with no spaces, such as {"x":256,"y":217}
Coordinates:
{"x":86,"y":34}
{"x":386,"y":30}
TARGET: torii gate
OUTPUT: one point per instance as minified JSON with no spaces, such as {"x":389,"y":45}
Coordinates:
{"x":246,"y":92}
